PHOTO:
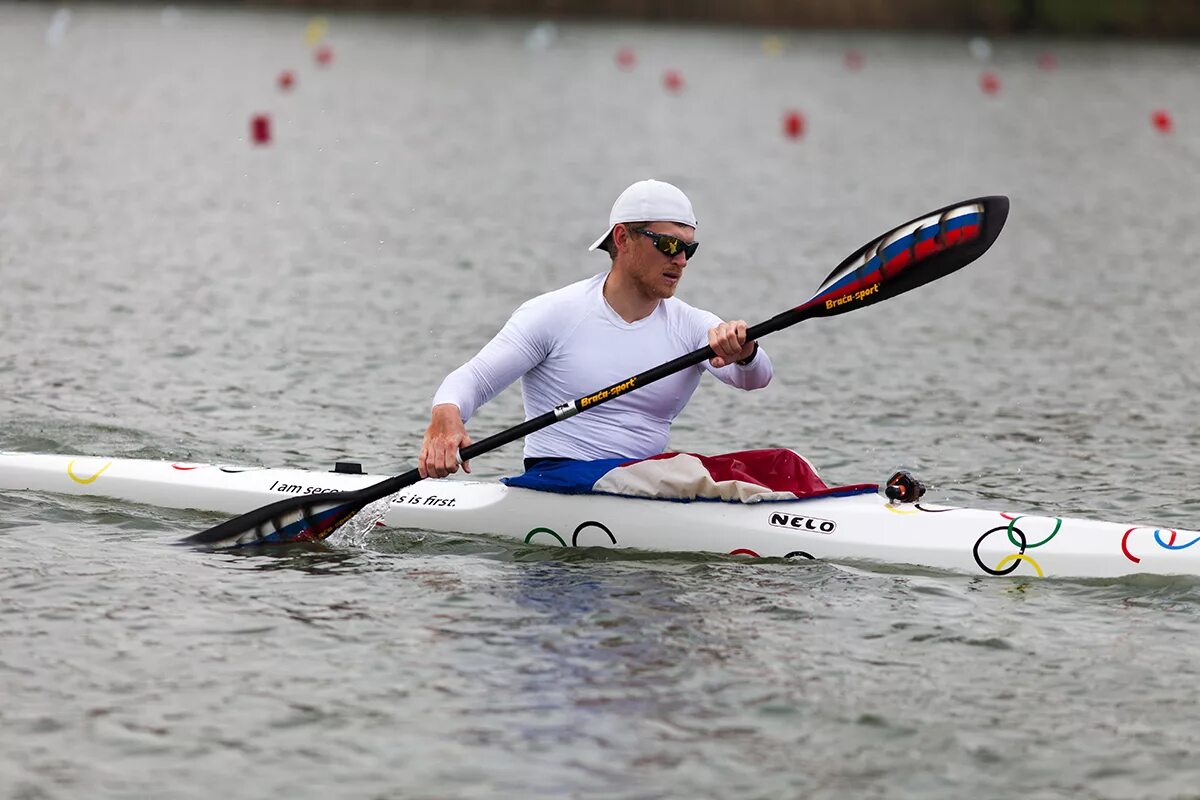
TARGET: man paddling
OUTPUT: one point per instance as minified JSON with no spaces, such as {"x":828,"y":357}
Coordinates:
{"x":590,"y":334}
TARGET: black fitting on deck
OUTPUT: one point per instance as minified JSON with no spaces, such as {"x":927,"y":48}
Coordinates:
{"x":904,"y":488}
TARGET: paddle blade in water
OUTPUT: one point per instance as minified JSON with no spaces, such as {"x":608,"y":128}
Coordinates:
{"x":915,"y":253}
{"x":292,"y":520}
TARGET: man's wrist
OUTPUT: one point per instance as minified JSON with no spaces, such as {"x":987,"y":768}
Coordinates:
{"x":745,"y":362}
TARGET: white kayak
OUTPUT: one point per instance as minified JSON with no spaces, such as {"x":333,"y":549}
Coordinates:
{"x":859,"y":527}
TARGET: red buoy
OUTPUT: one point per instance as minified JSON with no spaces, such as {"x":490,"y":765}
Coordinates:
{"x":260,"y":129}
{"x":1047,"y":61}
{"x":989,"y":83}
{"x":286,"y":80}
{"x":1162,"y":121}
{"x":673,"y":80}
{"x":854,"y":60}
{"x":793,"y":124}
{"x":324,"y":55}
{"x":626,"y":58}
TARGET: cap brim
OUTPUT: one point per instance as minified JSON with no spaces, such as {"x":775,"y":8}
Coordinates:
{"x":602,"y":239}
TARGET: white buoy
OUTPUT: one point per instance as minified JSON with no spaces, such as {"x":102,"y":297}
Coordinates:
{"x":980,"y":49}
{"x":542,"y":36}
{"x":57,"y":31}
{"x":171,"y":16}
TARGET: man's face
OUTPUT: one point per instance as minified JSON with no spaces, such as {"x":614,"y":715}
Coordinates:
{"x":655,"y":273}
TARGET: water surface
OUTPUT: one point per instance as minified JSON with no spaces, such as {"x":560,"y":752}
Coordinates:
{"x":170,"y":291}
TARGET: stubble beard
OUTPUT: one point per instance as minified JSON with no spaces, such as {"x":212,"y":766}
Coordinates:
{"x":655,"y":288}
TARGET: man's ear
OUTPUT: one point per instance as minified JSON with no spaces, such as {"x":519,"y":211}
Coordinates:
{"x":620,"y":236}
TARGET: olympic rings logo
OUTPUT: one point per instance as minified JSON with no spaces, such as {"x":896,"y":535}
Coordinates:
{"x":746,"y":551}
{"x":1166,"y":545}
{"x":85,"y":480}
{"x":1009,"y":563}
{"x":583,"y":526}
{"x":917,"y":508}
{"x":575,"y":536}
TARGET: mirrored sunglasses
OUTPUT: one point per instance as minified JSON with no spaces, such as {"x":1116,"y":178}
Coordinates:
{"x":670,"y":245}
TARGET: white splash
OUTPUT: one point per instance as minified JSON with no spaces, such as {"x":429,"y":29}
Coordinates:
{"x":358,"y":529}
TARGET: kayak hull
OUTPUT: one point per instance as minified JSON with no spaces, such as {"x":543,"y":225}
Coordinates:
{"x":862,"y":527}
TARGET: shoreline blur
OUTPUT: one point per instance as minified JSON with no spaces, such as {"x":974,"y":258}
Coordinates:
{"x":1172,"y":19}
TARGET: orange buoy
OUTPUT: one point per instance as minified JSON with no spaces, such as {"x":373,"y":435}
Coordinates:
{"x":286,"y":80}
{"x":260,"y":129}
{"x":854,"y":60}
{"x":1162,"y":121}
{"x":673,"y":80}
{"x":989,"y":82}
{"x":626,"y":58}
{"x":1047,"y":61}
{"x":793,"y":124}
{"x":324,"y":55}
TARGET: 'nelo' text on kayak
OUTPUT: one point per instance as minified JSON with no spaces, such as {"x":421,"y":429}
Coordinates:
{"x":813,"y":524}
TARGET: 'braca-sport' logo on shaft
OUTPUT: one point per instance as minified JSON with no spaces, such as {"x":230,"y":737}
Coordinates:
{"x":607,"y":394}
{"x":861,"y":294}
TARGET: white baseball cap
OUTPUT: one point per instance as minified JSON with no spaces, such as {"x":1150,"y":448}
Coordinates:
{"x":649,"y":201}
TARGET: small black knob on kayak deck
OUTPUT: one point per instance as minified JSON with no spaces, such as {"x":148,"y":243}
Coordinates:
{"x":348,"y":468}
{"x":904,"y":488}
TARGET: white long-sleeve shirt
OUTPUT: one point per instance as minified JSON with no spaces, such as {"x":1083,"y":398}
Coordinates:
{"x":569,"y":343}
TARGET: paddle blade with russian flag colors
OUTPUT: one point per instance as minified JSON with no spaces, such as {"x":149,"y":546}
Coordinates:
{"x":288,"y":521}
{"x":293,"y":520}
{"x":913,"y":254}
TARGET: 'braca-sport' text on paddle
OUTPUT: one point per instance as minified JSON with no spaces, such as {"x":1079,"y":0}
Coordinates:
{"x":915,"y":253}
